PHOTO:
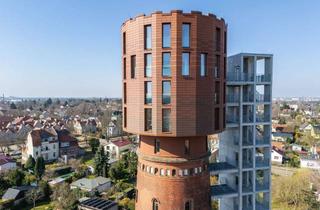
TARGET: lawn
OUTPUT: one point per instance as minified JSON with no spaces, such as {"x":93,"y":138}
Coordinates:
{"x":44,"y":206}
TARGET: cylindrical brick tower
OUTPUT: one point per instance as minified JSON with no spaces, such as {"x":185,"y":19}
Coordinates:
{"x":173,"y":97}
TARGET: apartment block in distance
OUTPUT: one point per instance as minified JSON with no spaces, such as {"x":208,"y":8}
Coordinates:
{"x":173,"y":97}
{"x":243,"y":165}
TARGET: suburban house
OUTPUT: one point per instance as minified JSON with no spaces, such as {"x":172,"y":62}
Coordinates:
{"x":17,"y":194}
{"x":311,"y":162}
{"x":113,"y":130}
{"x":85,"y":126}
{"x":296,"y":147}
{"x":7,"y":163}
{"x":68,"y":145}
{"x":97,"y":204}
{"x":277,"y":155}
{"x":281,"y":136}
{"x":41,"y":142}
{"x":98,"y":184}
{"x":116,"y":147}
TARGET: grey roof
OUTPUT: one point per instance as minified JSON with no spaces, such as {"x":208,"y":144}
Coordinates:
{"x":90,"y":184}
{"x":11,"y":194}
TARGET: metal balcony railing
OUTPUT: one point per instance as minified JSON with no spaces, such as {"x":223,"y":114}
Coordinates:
{"x":263,"y":97}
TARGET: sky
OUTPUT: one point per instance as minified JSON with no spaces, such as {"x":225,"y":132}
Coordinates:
{"x":72,"y":48}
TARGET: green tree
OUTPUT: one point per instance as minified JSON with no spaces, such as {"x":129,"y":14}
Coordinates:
{"x":4,"y":184}
{"x":130,"y":162}
{"x":39,"y":167}
{"x":127,"y":204}
{"x":15,"y":177}
{"x":64,"y":197}
{"x":30,"y":163}
{"x":101,"y":162}
{"x":34,"y":195}
{"x":94,"y":144}
{"x":13,"y":106}
{"x":45,"y":188}
{"x":118,"y":172}
{"x":47,"y":103}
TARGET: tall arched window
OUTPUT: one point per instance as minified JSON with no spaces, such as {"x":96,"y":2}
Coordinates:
{"x":187,"y":205}
{"x":155,"y":204}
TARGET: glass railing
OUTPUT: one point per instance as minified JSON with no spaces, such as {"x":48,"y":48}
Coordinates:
{"x":262,"y":184}
{"x":239,"y":77}
{"x":248,"y":98}
{"x":232,"y":119}
{"x":262,"y":162}
{"x":247,"y":118}
{"x":262,"y":118}
{"x":233,"y":98}
{"x":247,"y":164}
{"x":263,"y":78}
{"x":260,"y":140}
{"x":263,"y":98}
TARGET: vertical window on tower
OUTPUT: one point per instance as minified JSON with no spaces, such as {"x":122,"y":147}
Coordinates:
{"x":166,"y":92}
{"x":147,"y":65}
{"x":217,"y":67}
{"x":185,"y":64}
{"x":166,"y":35}
{"x":186,"y":35}
{"x":148,"y":92}
{"x":218,"y":39}
{"x":187,"y":205}
{"x":133,"y":66}
{"x":147,"y":37}
{"x":217,"y":93}
{"x":225,"y":42}
{"x":125,"y":117}
{"x":124,"y":68}
{"x":186,"y":147}
{"x":124,"y":93}
{"x":148,"y":119}
{"x":155,"y":204}
{"x":124,"y":42}
{"x":166,"y":120}
{"x":166,"y":67}
{"x":156,"y":145}
{"x":217,"y":118}
{"x":203,"y":64}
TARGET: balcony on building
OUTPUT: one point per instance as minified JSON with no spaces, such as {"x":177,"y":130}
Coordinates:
{"x":262,"y":157}
{"x":233,"y":95}
{"x":262,"y":180}
{"x":247,"y":158}
{"x":229,"y":203}
{"x":232,"y":118}
{"x":247,"y":181}
{"x":247,"y":202}
{"x":262,"y":201}
{"x":222,"y":167}
{"x":247,"y":114}
{"x":247,"y":136}
{"x":222,"y":191}
{"x":263,"y":113}
{"x":263,"y":93}
{"x":263,"y":69}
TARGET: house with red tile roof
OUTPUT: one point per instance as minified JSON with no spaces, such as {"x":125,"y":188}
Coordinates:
{"x":116,"y":146}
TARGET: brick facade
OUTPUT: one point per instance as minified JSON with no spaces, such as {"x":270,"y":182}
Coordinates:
{"x":197,"y":106}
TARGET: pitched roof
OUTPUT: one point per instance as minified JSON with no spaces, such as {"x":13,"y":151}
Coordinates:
{"x":281,"y":152}
{"x":11,"y":194}
{"x":121,"y":142}
{"x":65,"y":136}
{"x":90,"y":184}
{"x":5,"y":159}
{"x":38,"y":134}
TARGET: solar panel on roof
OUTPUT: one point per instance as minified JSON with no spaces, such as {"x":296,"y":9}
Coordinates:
{"x":98,"y":203}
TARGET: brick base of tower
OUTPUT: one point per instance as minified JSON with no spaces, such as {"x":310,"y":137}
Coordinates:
{"x":174,"y":175}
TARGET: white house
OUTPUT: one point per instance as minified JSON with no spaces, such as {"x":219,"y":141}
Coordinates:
{"x":41,"y":142}
{"x":277,"y":155}
{"x":311,"y":162}
{"x":99,"y":184}
{"x":113,"y":130}
{"x":7,"y":163}
{"x":296,"y":147}
{"x":116,"y":147}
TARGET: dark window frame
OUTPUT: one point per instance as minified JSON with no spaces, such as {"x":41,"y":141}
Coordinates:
{"x":189,"y":35}
{"x":133,"y":63}
{"x":163,"y":40}
{"x":145,"y":65}
{"x":146,"y":37}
